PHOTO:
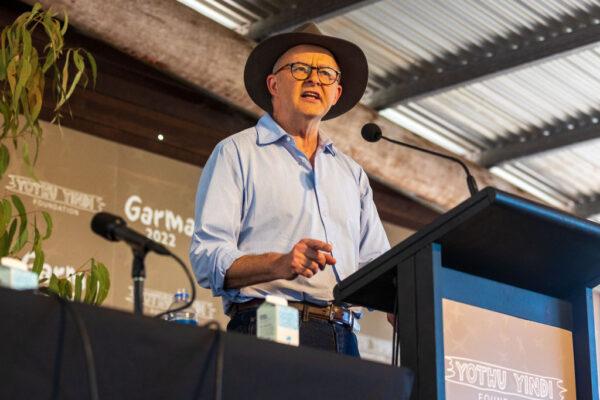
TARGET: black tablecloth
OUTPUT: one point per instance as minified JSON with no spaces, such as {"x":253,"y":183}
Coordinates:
{"x":41,"y":357}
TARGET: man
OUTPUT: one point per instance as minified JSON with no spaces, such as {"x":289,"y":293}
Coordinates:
{"x":280,"y":210}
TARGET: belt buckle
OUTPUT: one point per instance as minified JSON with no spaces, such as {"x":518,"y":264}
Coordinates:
{"x":350,"y":321}
{"x":347,"y":317}
{"x":331,"y":313}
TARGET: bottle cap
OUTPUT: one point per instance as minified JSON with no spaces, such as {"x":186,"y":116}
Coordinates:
{"x":182,"y":294}
{"x":280,"y":301}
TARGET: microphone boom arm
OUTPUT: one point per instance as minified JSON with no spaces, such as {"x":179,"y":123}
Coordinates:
{"x":471,"y":182}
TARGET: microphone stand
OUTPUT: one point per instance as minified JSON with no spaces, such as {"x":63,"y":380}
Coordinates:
{"x":138,"y":274}
{"x":471,"y":182}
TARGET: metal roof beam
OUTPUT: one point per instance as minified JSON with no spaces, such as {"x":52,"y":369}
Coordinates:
{"x":298,"y":12}
{"x":586,"y":127}
{"x":190,"y":44}
{"x":547,"y":40}
{"x":589,"y":206}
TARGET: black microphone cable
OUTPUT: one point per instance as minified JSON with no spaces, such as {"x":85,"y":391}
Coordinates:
{"x":212,"y":324}
{"x":218,"y":341}
{"x":88,"y":352}
{"x":190,"y":278}
{"x":220,"y":361}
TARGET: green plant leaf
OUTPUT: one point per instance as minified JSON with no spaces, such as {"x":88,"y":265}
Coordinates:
{"x":61,"y":287}
{"x":7,"y":238}
{"x":49,"y":225}
{"x":24,"y":73}
{"x":103,"y":282}
{"x":19,"y":206}
{"x":4,"y":159}
{"x":50,"y":58}
{"x":36,"y":8}
{"x":64,"y":80}
{"x":80,"y":67}
{"x":65,"y":24}
{"x":91,"y":286}
{"x":27,"y":48}
{"x":78,"y":286}
{"x":23,"y":232}
{"x":11,"y":75}
{"x":5,"y":214}
{"x":3,"y":54}
{"x":92,"y":62}
{"x":66,"y":289}
{"x":27,"y":159}
{"x":35,"y":93}
{"x":38,"y":261}
{"x":21,"y":241}
{"x":53,"y":285}
{"x":6,"y":115}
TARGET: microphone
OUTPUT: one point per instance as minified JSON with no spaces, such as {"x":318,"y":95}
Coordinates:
{"x":114,"y":228}
{"x":372,"y":133}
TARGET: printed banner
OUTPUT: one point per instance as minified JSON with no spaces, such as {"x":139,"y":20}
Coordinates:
{"x":507,"y":382}
{"x":493,"y":356}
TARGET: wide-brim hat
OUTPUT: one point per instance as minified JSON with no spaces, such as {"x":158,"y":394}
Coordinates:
{"x":350,"y":58}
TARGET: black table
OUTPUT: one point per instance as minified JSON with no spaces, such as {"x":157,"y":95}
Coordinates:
{"x":41,"y":357}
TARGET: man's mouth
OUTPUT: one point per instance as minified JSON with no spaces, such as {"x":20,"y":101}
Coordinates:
{"x":309,"y":94}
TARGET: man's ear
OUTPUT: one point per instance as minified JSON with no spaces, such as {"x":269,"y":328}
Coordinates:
{"x":338,"y":94}
{"x":272,"y":84}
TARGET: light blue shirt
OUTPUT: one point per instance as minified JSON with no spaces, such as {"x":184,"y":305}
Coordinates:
{"x":259,"y":193}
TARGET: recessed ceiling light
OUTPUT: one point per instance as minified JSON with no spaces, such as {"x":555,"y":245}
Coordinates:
{"x":160,"y":137}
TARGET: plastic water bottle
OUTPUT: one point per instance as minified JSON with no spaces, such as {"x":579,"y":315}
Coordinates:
{"x":187,"y":316}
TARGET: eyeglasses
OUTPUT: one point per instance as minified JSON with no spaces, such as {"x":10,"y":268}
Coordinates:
{"x":301,"y":72}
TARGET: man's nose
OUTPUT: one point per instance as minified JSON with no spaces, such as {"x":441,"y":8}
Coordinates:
{"x":314,"y":76}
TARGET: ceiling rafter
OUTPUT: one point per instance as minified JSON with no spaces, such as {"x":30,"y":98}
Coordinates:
{"x":588,"y":206}
{"x":543,"y":42}
{"x":527,"y":143}
{"x":298,"y":12}
{"x":189,"y":42}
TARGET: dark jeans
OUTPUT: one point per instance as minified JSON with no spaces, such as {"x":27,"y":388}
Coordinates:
{"x":315,"y":333}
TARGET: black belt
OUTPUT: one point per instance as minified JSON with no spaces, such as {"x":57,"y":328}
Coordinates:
{"x":330,"y":312}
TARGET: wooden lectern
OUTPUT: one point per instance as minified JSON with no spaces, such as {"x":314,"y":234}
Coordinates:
{"x":495,"y":251}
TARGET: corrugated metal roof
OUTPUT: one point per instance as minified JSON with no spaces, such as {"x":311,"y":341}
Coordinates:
{"x":401,"y":38}
{"x":478,"y":116}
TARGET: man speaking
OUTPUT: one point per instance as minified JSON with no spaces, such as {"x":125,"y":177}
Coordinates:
{"x":279,"y":209}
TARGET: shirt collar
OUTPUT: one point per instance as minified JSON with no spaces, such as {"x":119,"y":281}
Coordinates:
{"x":269,"y":132}
{"x":326,"y":143}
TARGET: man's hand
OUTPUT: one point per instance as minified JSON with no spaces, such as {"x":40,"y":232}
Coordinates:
{"x":306,"y":258}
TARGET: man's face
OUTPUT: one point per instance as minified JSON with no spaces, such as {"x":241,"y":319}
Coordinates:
{"x":309,"y":98}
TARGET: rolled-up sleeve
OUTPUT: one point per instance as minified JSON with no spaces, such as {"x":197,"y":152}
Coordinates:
{"x":218,"y":214}
{"x":374,"y":241}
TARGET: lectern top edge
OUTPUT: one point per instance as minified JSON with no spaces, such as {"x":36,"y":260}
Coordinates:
{"x":553,"y":215}
{"x":499,"y":223}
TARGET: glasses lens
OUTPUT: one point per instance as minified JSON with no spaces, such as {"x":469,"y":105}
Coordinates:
{"x":301,"y":71}
{"x":327,"y":75}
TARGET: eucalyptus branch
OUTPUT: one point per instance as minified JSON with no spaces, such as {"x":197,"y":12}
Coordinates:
{"x":24,"y":70}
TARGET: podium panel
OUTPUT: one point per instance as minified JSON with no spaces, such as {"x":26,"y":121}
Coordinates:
{"x":493,"y":301}
{"x":527,"y":351}
{"x":490,"y":355}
